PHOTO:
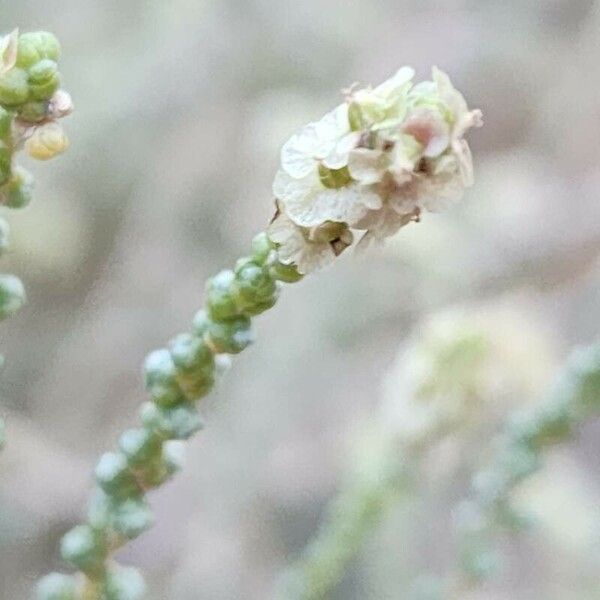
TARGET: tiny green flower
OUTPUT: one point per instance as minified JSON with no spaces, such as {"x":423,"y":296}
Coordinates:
{"x":14,"y":88}
{"x":18,"y":191}
{"x":221,"y":296}
{"x":132,"y":517}
{"x":124,"y":583}
{"x":115,"y":477}
{"x":35,"y":46}
{"x":261,"y":248}
{"x":139,"y":446}
{"x":84,"y":548}
{"x":12,"y":295}
{"x":56,"y":586}
{"x":231,"y":336}
{"x":194,"y":363}
{"x":160,"y":375}
{"x":178,"y":422}
{"x":43,"y":79}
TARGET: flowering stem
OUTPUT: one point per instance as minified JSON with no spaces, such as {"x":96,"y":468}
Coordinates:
{"x":31,"y":104}
{"x":371,"y":165}
{"x":176,"y":377}
{"x":362,"y":504}
{"x":519,"y":451}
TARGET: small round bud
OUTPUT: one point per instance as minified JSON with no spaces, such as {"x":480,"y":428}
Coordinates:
{"x":114,"y":476}
{"x":160,"y":378}
{"x":176,"y":423}
{"x":285,"y":273}
{"x":47,"y":141}
{"x":132,"y":517}
{"x":230,"y":336}
{"x":194,"y":363}
{"x":12,"y":295}
{"x":139,"y":446}
{"x":261,"y":247}
{"x":255,"y":285}
{"x":18,"y":191}
{"x":200,"y":323}
{"x":35,"y":46}
{"x":157,"y":472}
{"x":56,"y":586}
{"x":43,"y":79}
{"x":14,"y":89}
{"x":124,"y":583}
{"x":6,"y":119}
{"x":221,"y":296}
{"x":84,"y":548}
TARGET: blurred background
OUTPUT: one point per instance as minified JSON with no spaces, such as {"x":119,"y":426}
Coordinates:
{"x":181,"y":108}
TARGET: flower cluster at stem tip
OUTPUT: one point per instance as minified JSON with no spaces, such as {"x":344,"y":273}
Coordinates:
{"x":371,"y":166}
{"x":31,"y":104}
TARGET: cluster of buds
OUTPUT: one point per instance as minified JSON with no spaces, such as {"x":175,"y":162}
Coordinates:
{"x":371,"y":166}
{"x":176,"y":378}
{"x":31,"y":104}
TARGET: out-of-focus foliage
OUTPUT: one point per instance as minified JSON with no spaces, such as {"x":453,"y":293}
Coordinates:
{"x":181,"y":109}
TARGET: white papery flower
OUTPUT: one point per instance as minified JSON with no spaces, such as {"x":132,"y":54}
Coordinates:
{"x":374,"y":164}
{"x":309,"y":203}
{"x":309,"y":249}
{"x":327,"y":141}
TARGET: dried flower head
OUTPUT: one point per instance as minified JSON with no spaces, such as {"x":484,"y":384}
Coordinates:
{"x":372,"y":165}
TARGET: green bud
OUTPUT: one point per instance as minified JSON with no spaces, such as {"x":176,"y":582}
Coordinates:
{"x":19,"y":189}
{"x":99,"y":510}
{"x":84,"y":548}
{"x":177,"y":423}
{"x":43,"y":79}
{"x":14,"y":89}
{"x":12,"y":295}
{"x":160,"y":378}
{"x":114,"y":476}
{"x":255,"y":286}
{"x":6,"y":119}
{"x":221,"y":296}
{"x":160,"y":470}
{"x":200,"y":323}
{"x":37,"y":45}
{"x":34,"y":112}
{"x":260,"y":307}
{"x":56,"y":586}
{"x":4,"y":236}
{"x":285,"y":273}
{"x":231,"y":336}
{"x":132,"y":517}
{"x":5,"y":163}
{"x":124,"y":583}
{"x":139,"y":445}
{"x":195,"y":365}
{"x":261,"y":247}
{"x":42,"y":71}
